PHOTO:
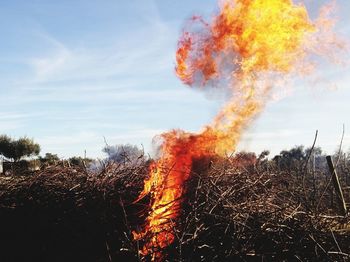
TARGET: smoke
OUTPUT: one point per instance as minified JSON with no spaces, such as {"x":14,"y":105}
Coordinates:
{"x":123,"y":153}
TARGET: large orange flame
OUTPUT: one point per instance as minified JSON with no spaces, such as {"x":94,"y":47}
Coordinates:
{"x":248,"y":46}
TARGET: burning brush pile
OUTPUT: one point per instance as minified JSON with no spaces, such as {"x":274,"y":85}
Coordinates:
{"x":250,"y":49}
{"x":229,"y":211}
{"x":193,"y":205}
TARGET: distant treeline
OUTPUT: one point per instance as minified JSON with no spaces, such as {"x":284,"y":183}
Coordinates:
{"x":23,"y":154}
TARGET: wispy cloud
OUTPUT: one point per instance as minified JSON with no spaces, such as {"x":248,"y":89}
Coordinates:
{"x":45,"y":67}
{"x":10,"y":121}
{"x":124,"y":57}
{"x":286,"y":133}
{"x":9,"y":125}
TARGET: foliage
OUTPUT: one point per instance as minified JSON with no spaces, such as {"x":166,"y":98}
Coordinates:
{"x":297,"y":156}
{"x":79,"y":161}
{"x":17,"y":149}
{"x":264,"y":155}
{"x":49,"y":159}
{"x":6,"y":146}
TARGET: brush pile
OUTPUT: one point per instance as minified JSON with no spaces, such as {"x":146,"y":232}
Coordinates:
{"x":258,"y":215}
{"x":243,"y":213}
{"x":67,"y":214}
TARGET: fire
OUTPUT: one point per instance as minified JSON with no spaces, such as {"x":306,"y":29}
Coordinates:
{"x":248,"y":46}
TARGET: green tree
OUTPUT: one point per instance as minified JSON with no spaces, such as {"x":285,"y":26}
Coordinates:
{"x":17,"y":149}
{"x":79,"y":161}
{"x":49,"y":159}
{"x":291,"y":159}
{"x":6,"y":146}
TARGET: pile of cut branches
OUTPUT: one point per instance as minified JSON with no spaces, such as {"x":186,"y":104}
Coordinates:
{"x":255,"y":215}
{"x":229,"y":213}
{"x":67,"y":214}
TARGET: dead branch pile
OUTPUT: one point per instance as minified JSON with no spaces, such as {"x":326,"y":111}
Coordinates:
{"x":258,"y":215}
{"x":66,"y":214}
{"x":229,"y":213}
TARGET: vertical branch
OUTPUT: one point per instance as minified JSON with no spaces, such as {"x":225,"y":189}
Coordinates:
{"x":337,"y":186}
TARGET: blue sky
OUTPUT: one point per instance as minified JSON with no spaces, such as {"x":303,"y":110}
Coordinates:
{"x":75,"y":71}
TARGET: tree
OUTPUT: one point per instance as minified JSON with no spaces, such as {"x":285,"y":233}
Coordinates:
{"x":49,"y":159}
{"x":264,"y":155}
{"x":6,"y":146}
{"x":296,"y":153}
{"x":26,"y":147}
{"x":293,"y":158}
{"x":17,"y":149}
{"x":79,"y":161}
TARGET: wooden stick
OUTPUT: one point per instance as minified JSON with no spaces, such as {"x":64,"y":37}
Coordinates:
{"x":337,"y":185}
